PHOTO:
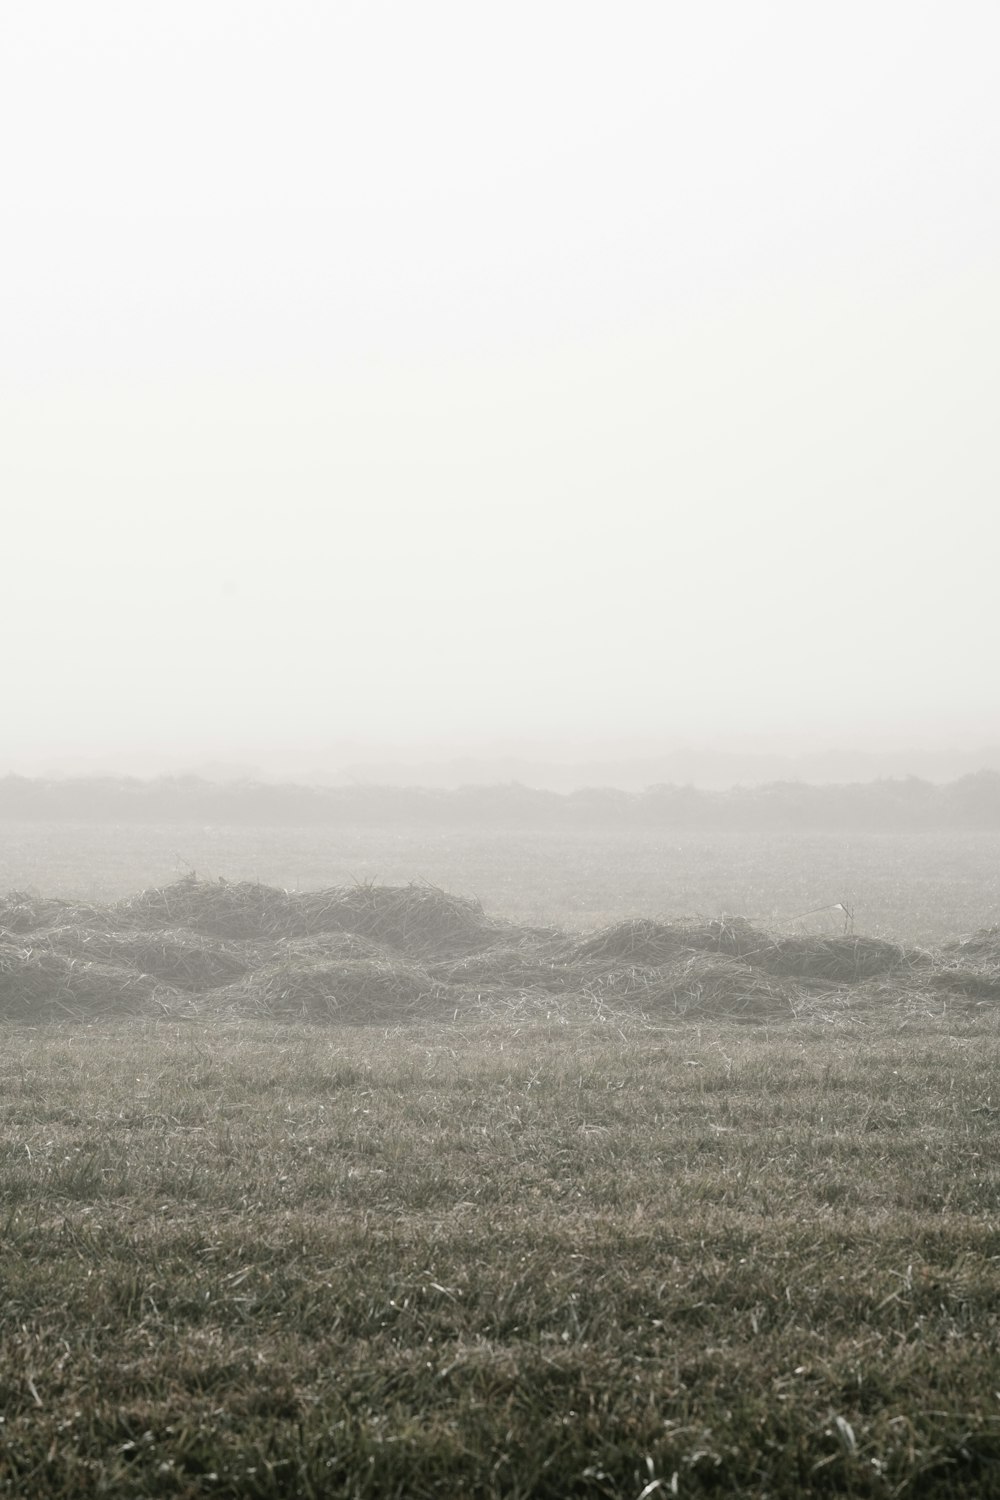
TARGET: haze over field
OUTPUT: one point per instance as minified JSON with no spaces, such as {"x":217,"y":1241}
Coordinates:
{"x":612,"y":379}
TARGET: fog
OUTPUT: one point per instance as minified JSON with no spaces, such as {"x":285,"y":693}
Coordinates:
{"x":551,"y":375}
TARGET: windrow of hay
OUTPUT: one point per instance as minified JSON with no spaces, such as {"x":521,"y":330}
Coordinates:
{"x":525,"y":967}
{"x":360,"y":991}
{"x":415,"y":918}
{"x":972,"y":965}
{"x":640,"y":941}
{"x":844,"y":959}
{"x":43,"y":986}
{"x":21,"y":911}
{"x":242,"y":910}
{"x":982,"y":944}
{"x":326,"y":945}
{"x":979,"y":984}
{"x":699,"y":984}
{"x":388,"y":955}
{"x":421,"y":920}
{"x":186,"y":960}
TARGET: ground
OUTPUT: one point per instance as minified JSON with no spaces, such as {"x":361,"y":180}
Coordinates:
{"x":548,"y":1248}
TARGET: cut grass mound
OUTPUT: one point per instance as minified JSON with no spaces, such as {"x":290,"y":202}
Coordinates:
{"x":978,"y":984}
{"x":515,"y":968}
{"x":972,"y":965}
{"x":841,"y":960}
{"x":23,"y":912}
{"x":640,"y":941}
{"x":982,"y":944}
{"x":389,"y":955}
{"x":690,"y":983}
{"x":419,"y":920}
{"x":36,"y":985}
{"x":183,"y":959}
{"x":328,"y":946}
{"x":234,"y":911}
{"x":698,"y":985}
{"x":359,"y":991}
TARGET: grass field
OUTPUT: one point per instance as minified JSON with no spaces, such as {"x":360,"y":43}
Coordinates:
{"x":920,"y":888}
{"x":583,"y":1237}
{"x":526,"y":1261}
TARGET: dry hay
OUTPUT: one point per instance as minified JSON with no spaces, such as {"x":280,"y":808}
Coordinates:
{"x":238,"y":911}
{"x":23,"y":912}
{"x":695,"y":985}
{"x":183,"y":959}
{"x":36,"y":985}
{"x":326,"y":946}
{"x":689,"y":982}
{"x":644,"y":941}
{"x":984,"y":943}
{"x":639,"y":941}
{"x":354,"y":991}
{"x":385,"y":955}
{"x":840,"y":960}
{"x":972,"y":965}
{"x":978,"y":984}
{"x":509,"y":968}
{"x":418,"y":919}
{"x":845,"y":959}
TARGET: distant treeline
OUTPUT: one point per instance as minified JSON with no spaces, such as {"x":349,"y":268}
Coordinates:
{"x":969,"y":803}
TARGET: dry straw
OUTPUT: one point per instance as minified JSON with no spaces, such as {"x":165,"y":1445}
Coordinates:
{"x":390,"y":955}
{"x":972,"y":965}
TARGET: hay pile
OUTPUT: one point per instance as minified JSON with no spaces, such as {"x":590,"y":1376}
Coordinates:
{"x":388,"y":955}
{"x":240,"y":911}
{"x":841,"y":960}
{"x":351,"y":955}
{"x":326,"y":945}
{"x":360,"y":991}
{"x":41,"y":985}
{"x":506,"y":966}
{"x":982,"y":946}
{"x":20,"y":912}
{"x":421,"y":920}
{"x":642,"y":941}
{"x":178,"y":958}
{"x":713,"y":986}
{"x":972,"y":965}
{"x":417,"y":918}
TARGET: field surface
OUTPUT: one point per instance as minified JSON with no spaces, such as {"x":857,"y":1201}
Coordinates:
{"x":916,"y":888}
{"x":370,"y":1192}
{"x":521,"y":1261}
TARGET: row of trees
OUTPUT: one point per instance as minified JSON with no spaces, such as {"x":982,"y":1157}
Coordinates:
{"x":971,"y":802}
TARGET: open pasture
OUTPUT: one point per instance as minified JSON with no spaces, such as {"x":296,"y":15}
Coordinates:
{"x":913,"y":888}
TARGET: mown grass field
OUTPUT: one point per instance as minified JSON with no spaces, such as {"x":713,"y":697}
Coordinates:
{"x":547,"y":1247}
{"x":523,"y":1261}
{"x":919,"y":888}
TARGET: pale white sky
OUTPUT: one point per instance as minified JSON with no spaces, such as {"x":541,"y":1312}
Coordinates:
{"x":529,"y":370}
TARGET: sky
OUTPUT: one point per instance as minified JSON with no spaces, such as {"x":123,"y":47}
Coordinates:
{"x":537,"y":373}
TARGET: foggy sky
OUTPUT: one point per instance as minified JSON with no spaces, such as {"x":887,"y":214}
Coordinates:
{"x":528,"y":372}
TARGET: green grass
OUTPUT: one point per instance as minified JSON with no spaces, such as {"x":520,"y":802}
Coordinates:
{"x":511,"y":1260}
{"x":514,"y":1256}
{"x":919,"y":888}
